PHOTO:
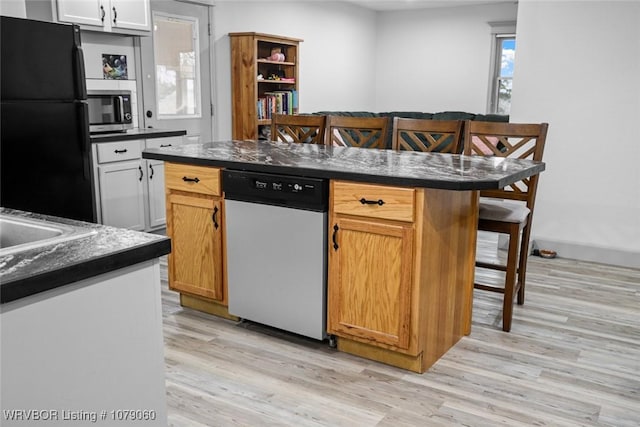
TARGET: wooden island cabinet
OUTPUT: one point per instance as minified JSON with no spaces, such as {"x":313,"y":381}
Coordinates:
{"x":195,"y":212}
{"x":388,"y":298}
{"x":401,"y":237}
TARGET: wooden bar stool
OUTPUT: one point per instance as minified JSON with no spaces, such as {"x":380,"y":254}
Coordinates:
{"x":363,"y":132}
{"x":509,"y":210}
{"x":308,"y":129}
{"x":443,"y":136}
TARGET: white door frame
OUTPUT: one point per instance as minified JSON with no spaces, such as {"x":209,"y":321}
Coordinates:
{"x":212,"y":91}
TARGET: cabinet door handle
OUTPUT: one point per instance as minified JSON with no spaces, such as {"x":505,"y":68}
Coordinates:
{"x":120,"y":151}
{"x":214,"y":217}
{"x":335,"y":236}
{"x":141,"y":173}
{"x":185,"y":179}
{"x":151,"y":169}
{"x":378,"y":202}
{"x":115,"y":15}
{"x":102,"y":14}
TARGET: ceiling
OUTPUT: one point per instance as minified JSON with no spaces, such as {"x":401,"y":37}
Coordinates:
{"x":388,"y":5}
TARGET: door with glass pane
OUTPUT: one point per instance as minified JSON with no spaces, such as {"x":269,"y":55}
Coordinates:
{"x":176,"y":70}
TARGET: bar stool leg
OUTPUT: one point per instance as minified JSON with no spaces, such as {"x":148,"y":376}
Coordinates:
{"x":511,"y":275}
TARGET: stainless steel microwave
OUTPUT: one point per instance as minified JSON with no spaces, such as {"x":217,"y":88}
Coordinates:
{"x":109,"y":110}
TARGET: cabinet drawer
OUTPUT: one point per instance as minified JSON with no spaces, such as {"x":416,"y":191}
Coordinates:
{"x":375,"y":201}
{"x":120,"y":150}
{"x":172,"y":141}
{"x":195,"y":179}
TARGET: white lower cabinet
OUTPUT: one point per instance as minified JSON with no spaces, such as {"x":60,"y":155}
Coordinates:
{"x":122,"y":194}
{"x":130,"y":191}
{"x":156,"y":196}
{"x":157,"y":211}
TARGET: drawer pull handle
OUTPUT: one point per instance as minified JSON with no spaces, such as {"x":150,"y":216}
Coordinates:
{"x":185,"y":179}
{"x":165,"y":145}
{"x":120,"y":151}
{"x":213,"y":217}
{"x":378,"y":202}
{"x":334,"y":237}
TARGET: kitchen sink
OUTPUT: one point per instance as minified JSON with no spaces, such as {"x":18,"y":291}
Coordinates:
{"x":21,"y":234}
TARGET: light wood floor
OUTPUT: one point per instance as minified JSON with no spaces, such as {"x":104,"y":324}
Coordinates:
{"x":572,"y":358}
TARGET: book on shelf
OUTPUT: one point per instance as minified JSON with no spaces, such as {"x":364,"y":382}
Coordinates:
{"x":277,"y":102}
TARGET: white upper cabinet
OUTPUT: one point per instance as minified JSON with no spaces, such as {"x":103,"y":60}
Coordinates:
{"x":84,"y":12}
{"x":108,"y":15}
{"x":130,"y":14}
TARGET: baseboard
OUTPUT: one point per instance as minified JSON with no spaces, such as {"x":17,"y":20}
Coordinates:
{"x":601,"y":255}
{"x":582,"y":252}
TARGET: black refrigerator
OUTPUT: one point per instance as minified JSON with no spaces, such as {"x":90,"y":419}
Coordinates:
{"x":45,"y":151}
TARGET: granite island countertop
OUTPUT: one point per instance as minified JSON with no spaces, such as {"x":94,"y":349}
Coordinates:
{"x":102,"y":249}
{"x":403,"y":168}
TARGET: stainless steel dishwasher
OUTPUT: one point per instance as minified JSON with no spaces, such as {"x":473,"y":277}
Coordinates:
{"x":276,"y":233}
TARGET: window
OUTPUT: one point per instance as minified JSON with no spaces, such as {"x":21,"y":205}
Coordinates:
{"x":176,"y":51}
{"x":506,"y":51}
{"x":503,"y":58}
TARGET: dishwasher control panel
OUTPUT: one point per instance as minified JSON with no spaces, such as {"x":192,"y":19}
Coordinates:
{"x":274,"y":189}
{"x":284,"y":185}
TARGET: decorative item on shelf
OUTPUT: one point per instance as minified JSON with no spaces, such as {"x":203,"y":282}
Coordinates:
{"x":275,"y":75}
{"x":260,"y":77}
{"x":276,"y":55}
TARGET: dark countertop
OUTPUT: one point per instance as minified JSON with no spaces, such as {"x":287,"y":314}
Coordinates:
{"x":137,"y":133}
{"x":106,"y":249}
{"x":403,"y":168}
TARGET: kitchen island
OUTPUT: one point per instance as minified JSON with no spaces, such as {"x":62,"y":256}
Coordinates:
{"x":402,"y":237}
{"x":81,"y":323}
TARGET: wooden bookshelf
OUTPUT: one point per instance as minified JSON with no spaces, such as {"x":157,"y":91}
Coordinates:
{"x":250,"y":57}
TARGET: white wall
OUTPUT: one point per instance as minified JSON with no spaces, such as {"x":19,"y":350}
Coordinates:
{"x":94,"y":44}
{"x":436,"y":59}
{"x":337,"y":56}
{"x":578,"y":68}
{"x":14,"y":8}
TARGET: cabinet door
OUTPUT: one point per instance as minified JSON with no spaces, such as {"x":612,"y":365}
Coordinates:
{"x":130,"y":14}
{"x":157,"y":212}
{"x":122,"y":194}
{"x":195,"y":263}
{"x":86,"y":12}
{"x":157,"y":205}
{"x":370,"y":276}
